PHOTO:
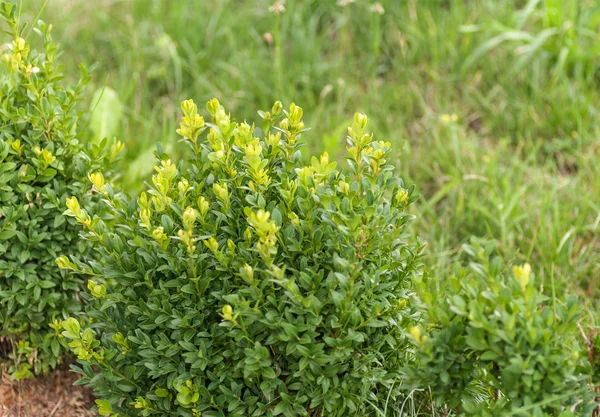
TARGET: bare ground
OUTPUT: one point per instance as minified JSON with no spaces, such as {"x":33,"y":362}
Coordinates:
{"x":51,"y":395}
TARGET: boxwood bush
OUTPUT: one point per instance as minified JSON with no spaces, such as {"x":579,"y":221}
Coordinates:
{"x":42,"y":162}
{"x":494,"y":345}
{"x":245,"y":283}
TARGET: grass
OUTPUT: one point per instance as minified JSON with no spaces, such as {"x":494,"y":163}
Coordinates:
{"x":519,"y":164}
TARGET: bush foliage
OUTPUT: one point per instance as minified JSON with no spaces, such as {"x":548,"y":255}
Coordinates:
{"x":42,"y":162}
{"x":243,"y":283}
{"x":495,"y":346}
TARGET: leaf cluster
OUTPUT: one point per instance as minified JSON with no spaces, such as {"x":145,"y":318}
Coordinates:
{"x":494,"y":345}
{"x":245,"y":283}
{"x":42,"y":162}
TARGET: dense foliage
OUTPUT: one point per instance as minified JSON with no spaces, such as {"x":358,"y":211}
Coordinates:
{"x":246,"y":284}
{"x":201,"y":303}
{"x":494,"y":346}
{"x":42,"y":162}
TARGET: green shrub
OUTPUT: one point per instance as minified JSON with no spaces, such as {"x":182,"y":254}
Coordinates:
{"x":42,"y":162}
{"x":248,"y":284}
{"x":495,"y":346}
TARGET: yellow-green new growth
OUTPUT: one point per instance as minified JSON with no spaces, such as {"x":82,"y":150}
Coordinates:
{"x":522,"y":274}
{"x":265,"y":229}
{"x":44,"y":156}
{"x":188,"y":239}
{"x":203,"y":206}
{"x":74,"y":210}
{"x":192,"y":124}
{"x":159,"y":235}
{"x":222,"y":192}
{"x":415,"y":332}
{"x":97,"y":180}
{"x":97,"y":290}
{"x":189,"y":218}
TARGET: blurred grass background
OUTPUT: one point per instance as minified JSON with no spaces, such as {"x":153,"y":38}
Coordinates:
{"x":517,"y":163}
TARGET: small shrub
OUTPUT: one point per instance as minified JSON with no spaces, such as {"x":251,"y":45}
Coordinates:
{"x":249,"y":284}
{"x":495,"y":346}
{"x":42,"y":162}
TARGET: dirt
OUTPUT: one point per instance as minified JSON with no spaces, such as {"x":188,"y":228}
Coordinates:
{"x":51,"y":395}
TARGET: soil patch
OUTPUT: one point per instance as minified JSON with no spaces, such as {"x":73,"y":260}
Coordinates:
{"x":51,"y":395}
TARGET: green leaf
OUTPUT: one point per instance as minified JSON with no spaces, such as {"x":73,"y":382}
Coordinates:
{"x":184,"y":397}
{"x":268,"y":373}
{"x":107,"y":111}
{"x":161,"y":392}
{"x":24,"y":256}
{"x":7,"y":234}
{"x":59,"y":220}
{"x":55,"y":347}
{"x":72,"y":328}
{"x":104,"y":407}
